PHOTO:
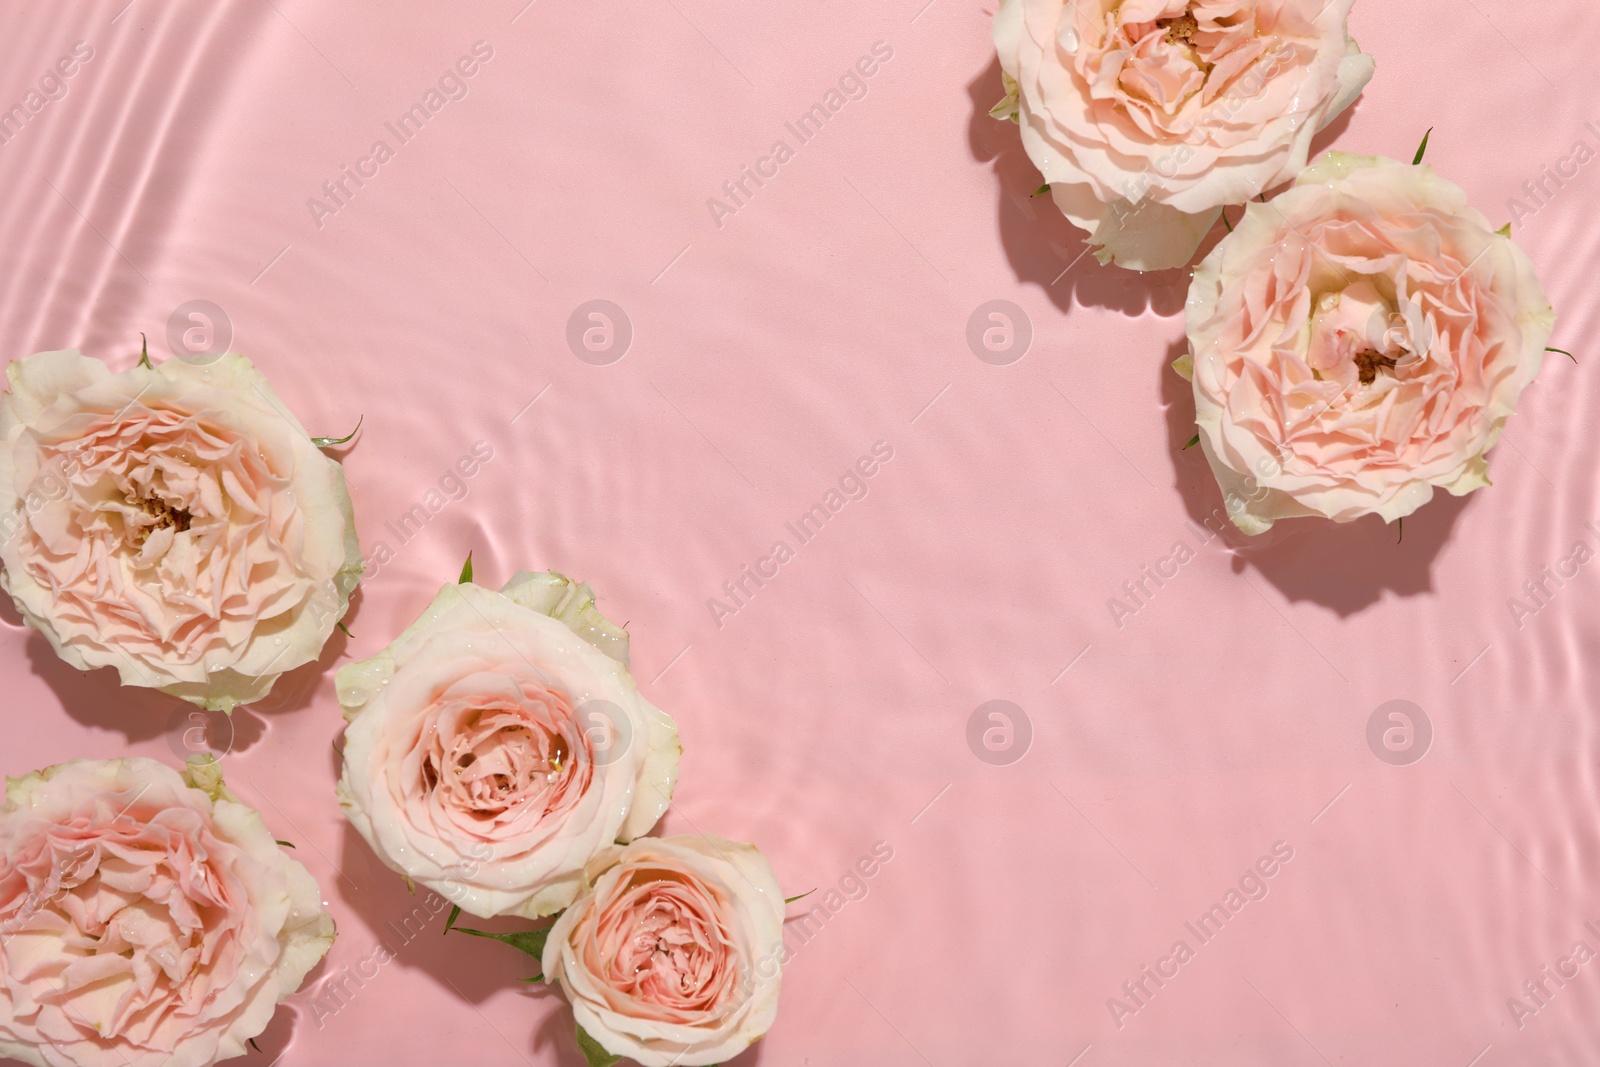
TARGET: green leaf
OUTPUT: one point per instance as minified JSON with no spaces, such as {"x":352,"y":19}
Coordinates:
{"x":144,"y":353}
{"x":802,"y":896}
{"x":286,"y":844}
{"x":529,"y":941}
{"x":1045,"y":188}
{"x":1564,"y":352}
{"x":324,"y":442}
{"x":1192,"y":442}
{"x":344,"y":629}
{"x":1504,"y":231}
{"x":594,"y":1052}
{"x":466,"y":571}
{"x":455,"y":913}
{"x":1422,"y":149}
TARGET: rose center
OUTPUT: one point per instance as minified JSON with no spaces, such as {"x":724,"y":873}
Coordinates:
{"x":163,"y":515}
{"x":493,"y":761}
{"x":1180,"y":30}
{"x":1367,"y":363}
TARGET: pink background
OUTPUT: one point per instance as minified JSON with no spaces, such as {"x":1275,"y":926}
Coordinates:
{"x":768,"y":354}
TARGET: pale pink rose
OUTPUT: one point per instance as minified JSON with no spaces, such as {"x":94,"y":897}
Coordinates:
{"x":499,"y":743}
{"x":672,"y":955}
{"x":173,"y":522}
{"x":1146,"y":117}
{"x":1358,"y":341}
{"x":147,"y":918}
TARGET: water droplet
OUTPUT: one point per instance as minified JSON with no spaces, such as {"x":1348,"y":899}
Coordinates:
{"x":1067,"y":38}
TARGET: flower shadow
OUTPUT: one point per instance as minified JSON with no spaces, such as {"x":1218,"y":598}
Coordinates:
{"x":1043,"y":247}
{"x":411,"y":926}
{"x":1345,"y":567}
{"x":297,"y":689}
{"x":555,"y":1033}
{"x":98,"y":698}
{"x":273,"y":1042}
{"x":1047,"y":250}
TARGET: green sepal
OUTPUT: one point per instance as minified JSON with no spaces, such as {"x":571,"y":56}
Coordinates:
{"x":1422,"y":149}
{"x":466,"y":571}
{"x":324,"y":442}
{"x":1192,"y":442}
{"x":593,"y":1051}
{"x":144,"y":353}
{"x":529,"y":941}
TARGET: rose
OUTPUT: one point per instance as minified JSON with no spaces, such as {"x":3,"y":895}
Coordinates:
{"x":146,"y":916}
{"x":670,"y":955}
{"x":1358,"y":341}
{"x":499,"y":743}
{"x":1146,"y":117}
{"x":174,"y":522}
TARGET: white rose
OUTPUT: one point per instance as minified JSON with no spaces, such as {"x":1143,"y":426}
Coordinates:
{"x":493,"y":749}
{"x":1359,"y":342}
{"x":145,"y":916}
{"x":1146,"y":117}
{"x":672,"y":956}
{"x":176,"y":523}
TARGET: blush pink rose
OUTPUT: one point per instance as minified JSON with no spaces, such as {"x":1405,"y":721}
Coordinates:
{"x":672,"y":954}
{"x":173,"y":522}
{"x":147,"y":918}
{"x":1357,"y":342}
{"x":1146,"y":117}
{"x":499,"y":743}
